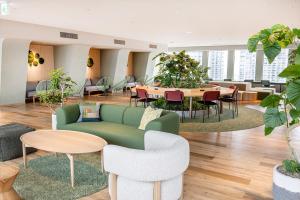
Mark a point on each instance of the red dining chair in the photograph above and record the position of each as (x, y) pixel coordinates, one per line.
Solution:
(232, 99)
(143, 97)
(175, 98)
(211, 98)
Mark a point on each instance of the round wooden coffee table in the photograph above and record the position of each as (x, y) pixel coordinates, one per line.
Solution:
(8, 175)
(63, 141)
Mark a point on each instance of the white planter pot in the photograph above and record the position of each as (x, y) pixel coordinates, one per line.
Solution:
(54, 122)
(294, 138)
(285, 187)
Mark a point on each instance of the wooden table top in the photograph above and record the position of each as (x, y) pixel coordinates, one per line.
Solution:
(188, 92)
(6, 172)
(63, 141)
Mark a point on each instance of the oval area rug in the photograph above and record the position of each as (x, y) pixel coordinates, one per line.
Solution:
(48, 178)
(247, 118)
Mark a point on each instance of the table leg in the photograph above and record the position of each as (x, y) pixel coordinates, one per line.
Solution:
(71, 158)
(24, 155)
(102, 163)
(191, 107)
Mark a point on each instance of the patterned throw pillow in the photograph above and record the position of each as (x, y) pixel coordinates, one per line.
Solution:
(149, 115)
(89, 112)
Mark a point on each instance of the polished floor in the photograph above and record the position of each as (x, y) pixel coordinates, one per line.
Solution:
(227, 165)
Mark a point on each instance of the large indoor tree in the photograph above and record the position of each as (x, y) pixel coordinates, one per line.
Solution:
(179, 70)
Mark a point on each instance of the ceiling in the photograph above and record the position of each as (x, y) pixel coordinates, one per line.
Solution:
(174, 22)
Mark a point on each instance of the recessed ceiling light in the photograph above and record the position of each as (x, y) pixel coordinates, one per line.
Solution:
(188, 32)
(4, 8)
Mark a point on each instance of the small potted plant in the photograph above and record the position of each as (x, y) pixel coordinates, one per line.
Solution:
(283, 108)
(61, 87)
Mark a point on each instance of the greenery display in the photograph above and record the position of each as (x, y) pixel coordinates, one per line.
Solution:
(60, 88)
(179, 70)
(162, 103)
(34, 59)
(281, 108)
(90, 62)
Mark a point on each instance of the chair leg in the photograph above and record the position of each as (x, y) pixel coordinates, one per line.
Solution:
(203, 115)
(237, 108)
(218, 108)
(208, 111)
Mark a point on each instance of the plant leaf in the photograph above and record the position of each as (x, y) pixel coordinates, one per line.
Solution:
(271, 101)
(271, 51)
(252, 43)
(268, 130)
(295, 114)
(274, 118)
(296, 31)
(293, 93)
(291, 71)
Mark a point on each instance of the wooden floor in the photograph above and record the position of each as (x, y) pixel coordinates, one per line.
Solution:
(229, 165)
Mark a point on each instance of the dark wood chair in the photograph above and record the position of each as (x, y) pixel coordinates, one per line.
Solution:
(175, 98)
(211, 99)
(133, 96)
(143, 97)
(232, 99)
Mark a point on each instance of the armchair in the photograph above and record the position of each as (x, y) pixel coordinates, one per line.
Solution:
(154, 173)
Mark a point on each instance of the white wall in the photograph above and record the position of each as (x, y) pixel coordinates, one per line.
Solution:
(73, 60)
(12, 29)
(13, 71)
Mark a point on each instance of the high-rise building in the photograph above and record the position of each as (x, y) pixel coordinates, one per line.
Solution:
(271, 71)
(244, 65)
(217, 63)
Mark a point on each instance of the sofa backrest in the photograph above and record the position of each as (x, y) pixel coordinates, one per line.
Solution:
(112, 113)
(133, 116)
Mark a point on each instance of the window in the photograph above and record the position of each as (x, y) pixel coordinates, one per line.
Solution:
(244, 65)
(197, 55)
(217, 63)
(271, 71)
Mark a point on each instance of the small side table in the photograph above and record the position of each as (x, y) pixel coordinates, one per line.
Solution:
(8, 175)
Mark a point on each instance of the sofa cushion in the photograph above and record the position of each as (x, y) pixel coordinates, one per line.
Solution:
(31, 86)
(112, 113)
(94, 81)
(149, 115)
(113, 133)
(133, 115)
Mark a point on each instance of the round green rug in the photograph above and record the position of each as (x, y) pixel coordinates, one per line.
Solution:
(48, 178)
(247, 118)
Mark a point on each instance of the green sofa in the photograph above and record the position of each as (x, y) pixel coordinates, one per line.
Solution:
(118, 124)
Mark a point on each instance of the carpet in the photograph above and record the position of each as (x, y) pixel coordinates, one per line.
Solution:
(247, 118)
(48, 178)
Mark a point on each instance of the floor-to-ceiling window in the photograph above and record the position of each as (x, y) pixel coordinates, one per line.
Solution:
(271, 71)
(244, 65)
(197, 55)
(217, 63)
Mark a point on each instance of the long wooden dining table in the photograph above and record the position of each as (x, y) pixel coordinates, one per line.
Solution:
(188, 92)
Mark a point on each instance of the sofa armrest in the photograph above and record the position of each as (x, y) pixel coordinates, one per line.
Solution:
(166, 123)
(67, 114)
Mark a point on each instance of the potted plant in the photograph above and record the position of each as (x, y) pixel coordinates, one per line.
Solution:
(61, 87)
(179, 70)
(283, 108)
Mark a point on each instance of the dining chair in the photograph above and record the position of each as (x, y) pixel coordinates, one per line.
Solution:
(133, 95)
(143, 97)
(232, 99)
(210, 98)
(175, 98)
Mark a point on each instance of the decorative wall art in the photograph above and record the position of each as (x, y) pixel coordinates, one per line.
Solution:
(90, 62)
(34, 59)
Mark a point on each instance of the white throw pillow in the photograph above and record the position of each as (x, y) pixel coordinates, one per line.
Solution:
(149, 115)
